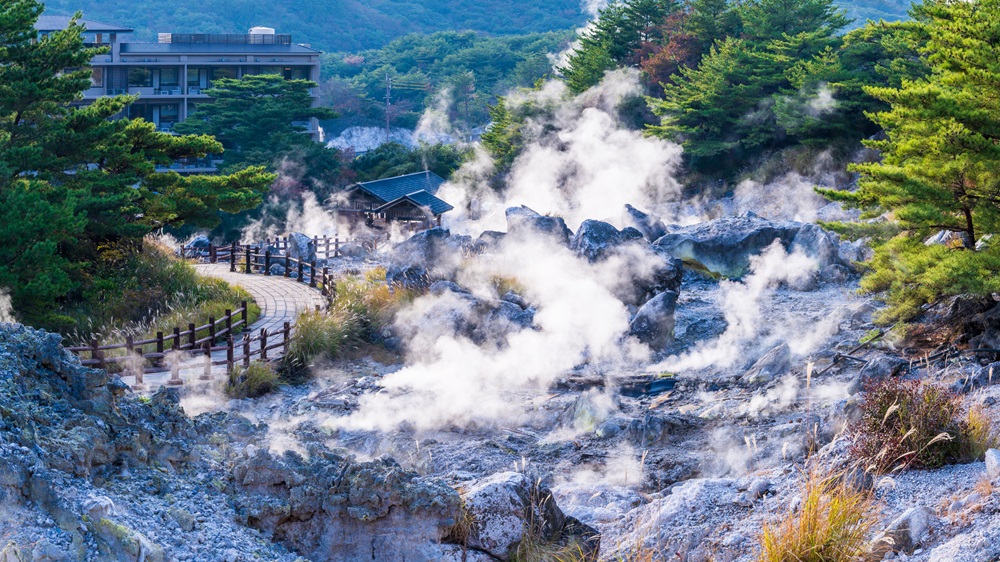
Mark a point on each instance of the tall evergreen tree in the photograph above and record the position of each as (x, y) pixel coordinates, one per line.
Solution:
(940, 167)
(71, 181)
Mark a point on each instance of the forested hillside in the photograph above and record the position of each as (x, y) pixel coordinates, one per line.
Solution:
(331, 25)
(471, 67)
(351, 25)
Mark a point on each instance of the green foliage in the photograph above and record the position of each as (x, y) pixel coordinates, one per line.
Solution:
(910, 424)
(470, 67)
(749, 93)
(939, 163)
(255, 381)
(255, 119)
(333, 25)
(93, 181)
(138, 293)
(393, 159)
(362, 306)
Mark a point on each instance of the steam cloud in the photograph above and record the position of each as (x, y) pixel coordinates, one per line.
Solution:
(6, 307)
(580, 163)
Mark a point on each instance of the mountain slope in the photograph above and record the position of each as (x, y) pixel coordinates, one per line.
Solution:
(330, 25)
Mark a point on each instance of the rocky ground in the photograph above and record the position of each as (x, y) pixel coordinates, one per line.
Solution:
(762, 377)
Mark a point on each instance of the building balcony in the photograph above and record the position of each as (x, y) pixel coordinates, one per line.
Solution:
(168, 91)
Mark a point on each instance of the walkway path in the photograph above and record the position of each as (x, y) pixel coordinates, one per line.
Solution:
(280, 299)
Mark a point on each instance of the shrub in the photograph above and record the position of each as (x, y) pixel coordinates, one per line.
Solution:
(256, 380)
(323, 334)
(909, 424)
(140, 293)
(361, 307)
(832, 524)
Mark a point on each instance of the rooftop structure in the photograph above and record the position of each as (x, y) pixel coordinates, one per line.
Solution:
(410, 198)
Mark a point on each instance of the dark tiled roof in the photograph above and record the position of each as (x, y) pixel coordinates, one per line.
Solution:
(56, 23)
(220, 48)
(420, 199)
(390, 189)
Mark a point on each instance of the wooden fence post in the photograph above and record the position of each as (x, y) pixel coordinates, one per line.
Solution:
(232, 258)
(230, 352)
(326, 246)
(267, 262)
(288, 331)
(191, 336)
(177, 338)
(263, 344)
(288, 264)
(312, 274)
(246, 351)
(206, 374)
(211, 253)
(247, 268)
(245, 315)
(301, 279)
(336, 246)
(159, 342)
(229, 321)
(95, 353)
(211, 330)
(326, 281)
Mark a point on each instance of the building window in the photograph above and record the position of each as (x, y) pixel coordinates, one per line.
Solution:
(271, 70)
(221, 72)
(194, 77)
(169, 114)
(140, 77)
(295, 72)
(140, 111)
(169, 77)
(97, 77)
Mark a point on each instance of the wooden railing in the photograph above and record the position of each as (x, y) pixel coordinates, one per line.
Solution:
(326, 247)
(167, 351)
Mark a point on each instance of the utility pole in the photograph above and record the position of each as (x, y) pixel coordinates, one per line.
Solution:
(388, 103)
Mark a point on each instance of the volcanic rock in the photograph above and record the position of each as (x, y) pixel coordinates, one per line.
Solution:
(522, 221)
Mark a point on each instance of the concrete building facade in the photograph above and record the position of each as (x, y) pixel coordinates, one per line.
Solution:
(171, 75)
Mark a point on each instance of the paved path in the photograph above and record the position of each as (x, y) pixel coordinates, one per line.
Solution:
(280, 300)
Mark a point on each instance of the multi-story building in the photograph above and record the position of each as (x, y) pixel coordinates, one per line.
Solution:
(171, 75)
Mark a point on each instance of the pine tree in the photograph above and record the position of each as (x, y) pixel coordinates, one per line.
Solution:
(940, 167)
(71, 180)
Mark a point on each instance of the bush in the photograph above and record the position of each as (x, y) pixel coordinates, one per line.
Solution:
(253, 382)
(361, 307)
(909, 424)
(832, 524)
(141, 292)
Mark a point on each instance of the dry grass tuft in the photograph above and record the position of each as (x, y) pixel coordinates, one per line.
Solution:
(363, 304)
(833, 524)
(909, 424)
(253, 382)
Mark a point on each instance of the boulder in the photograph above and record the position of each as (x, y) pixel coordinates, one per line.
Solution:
(595, 240)
(992, 464)
(407, 277)
(352, 250)
(277, 269)
(987, 327)
(196, 247)
(948, 238)
(724, 246)
(907, 531)
(651, 227)
(653, 324)
(522, 221)
(488, 241)
(434, 250)
(875, 370)
(456, 310)
(301, 247)
(503, 507)
(776, 363)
